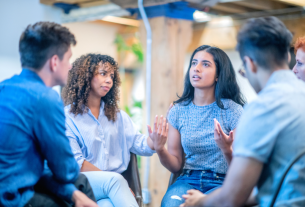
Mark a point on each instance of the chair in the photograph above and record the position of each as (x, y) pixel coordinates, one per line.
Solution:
(133, 178)
(294, 160)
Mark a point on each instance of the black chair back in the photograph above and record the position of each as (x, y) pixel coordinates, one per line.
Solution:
(133, 178)
(294, 160)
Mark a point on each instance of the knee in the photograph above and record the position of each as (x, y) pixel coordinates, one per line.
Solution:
(117, 178)
(173, 196)
(171, 199)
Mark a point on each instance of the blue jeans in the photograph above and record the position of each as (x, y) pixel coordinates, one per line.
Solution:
(203, 180)
(110, 189)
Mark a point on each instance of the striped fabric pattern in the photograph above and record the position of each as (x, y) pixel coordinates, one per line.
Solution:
(103, 143)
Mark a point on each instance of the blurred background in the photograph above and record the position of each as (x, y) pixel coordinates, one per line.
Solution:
(115, 28)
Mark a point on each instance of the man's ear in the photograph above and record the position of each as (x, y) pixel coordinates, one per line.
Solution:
(250, 65)
(289, 57)
(54, 63)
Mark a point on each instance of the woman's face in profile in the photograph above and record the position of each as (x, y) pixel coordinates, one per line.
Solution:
(203, 70)
(299, 68)
(102, 81)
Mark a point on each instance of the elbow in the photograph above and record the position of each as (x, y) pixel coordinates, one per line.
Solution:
(175, 170)
(231, 202)
(69, 177)
(68, 174)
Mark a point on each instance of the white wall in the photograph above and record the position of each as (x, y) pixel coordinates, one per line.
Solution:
(15, 15)
(93, 38)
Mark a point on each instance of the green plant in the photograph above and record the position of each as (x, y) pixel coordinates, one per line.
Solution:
(135, 48)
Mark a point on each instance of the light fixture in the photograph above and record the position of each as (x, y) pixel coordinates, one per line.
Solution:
(200, 16)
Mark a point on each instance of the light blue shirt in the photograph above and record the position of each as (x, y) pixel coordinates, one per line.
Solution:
(196, 127)
(271, 130)
(103, 143)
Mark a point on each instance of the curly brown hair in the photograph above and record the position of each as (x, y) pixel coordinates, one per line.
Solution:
(77, 90)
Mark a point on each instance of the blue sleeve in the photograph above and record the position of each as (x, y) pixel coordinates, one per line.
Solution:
(63, 191)
(258, 129)
(49, 130)
(173, 117)
(75, 146)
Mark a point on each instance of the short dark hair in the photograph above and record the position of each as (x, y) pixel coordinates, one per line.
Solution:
(40, 41)
(266, 40)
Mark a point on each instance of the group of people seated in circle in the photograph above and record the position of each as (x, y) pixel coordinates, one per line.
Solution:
(71, 150)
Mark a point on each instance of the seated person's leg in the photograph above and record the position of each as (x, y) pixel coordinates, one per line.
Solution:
(44, 193)
(83, 185)
(173, 196)
(111, 185)
(106, 202)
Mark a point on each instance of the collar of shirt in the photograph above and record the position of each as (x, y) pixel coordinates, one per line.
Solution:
(29, 73)
(280, 76)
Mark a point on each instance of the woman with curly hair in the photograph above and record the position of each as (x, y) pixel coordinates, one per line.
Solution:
(102, 136)
(299, 50)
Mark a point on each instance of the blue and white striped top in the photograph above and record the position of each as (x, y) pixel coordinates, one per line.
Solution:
(105, 144)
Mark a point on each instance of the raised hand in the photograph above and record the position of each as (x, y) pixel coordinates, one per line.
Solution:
(223, 141)
(159, 134)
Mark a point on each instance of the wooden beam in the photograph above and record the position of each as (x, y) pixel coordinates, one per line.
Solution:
(230, 8)
(293, 2)
(93, 3)
(170, 40)
(261, 4)
(81, 3)
(134, 3)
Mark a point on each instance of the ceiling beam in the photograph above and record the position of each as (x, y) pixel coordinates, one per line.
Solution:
(293, 2)
(80, 3)
(261, 4)
(134, 3)
(230, 8)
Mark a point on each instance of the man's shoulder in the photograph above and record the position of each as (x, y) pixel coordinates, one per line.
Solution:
(48, 96)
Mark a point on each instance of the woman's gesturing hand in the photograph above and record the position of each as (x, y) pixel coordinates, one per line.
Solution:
(223, 141)
(159, 134)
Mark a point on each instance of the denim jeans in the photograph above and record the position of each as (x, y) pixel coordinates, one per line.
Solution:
(203, 180)
(110, 189)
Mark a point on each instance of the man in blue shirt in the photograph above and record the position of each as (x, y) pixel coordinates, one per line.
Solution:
(32, 125)
(270, 132)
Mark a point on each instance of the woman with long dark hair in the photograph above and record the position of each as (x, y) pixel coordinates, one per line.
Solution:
(201, 125)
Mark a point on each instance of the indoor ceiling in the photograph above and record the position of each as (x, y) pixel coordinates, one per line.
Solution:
(238, 9)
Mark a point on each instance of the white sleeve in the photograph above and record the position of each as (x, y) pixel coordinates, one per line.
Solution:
(139, 141)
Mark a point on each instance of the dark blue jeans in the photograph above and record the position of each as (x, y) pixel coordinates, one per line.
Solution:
(203, 180)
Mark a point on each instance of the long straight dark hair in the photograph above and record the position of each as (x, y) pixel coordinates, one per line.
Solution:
(226, 86)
